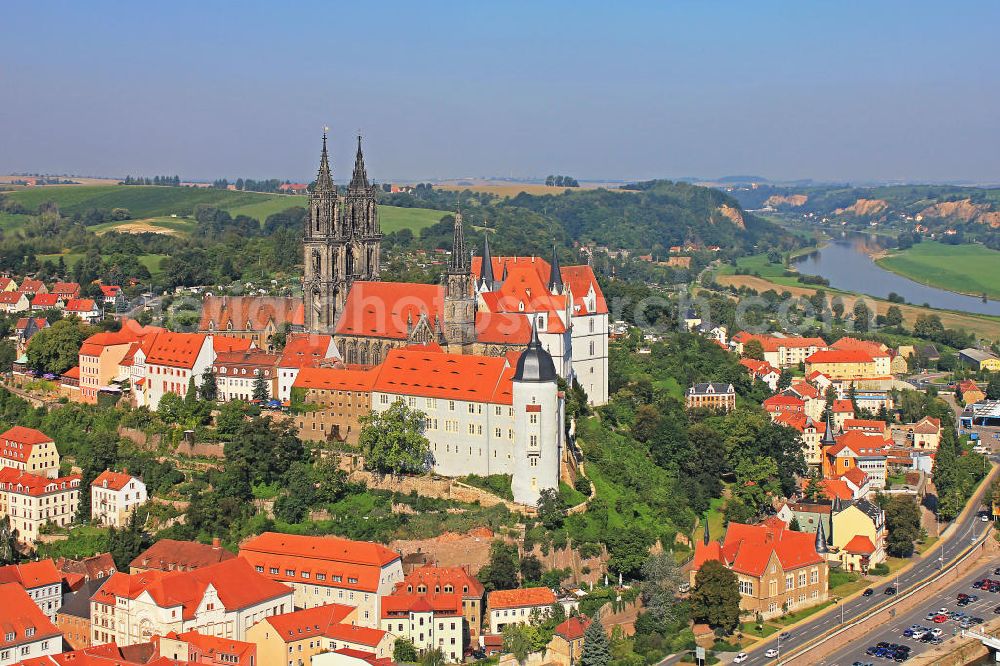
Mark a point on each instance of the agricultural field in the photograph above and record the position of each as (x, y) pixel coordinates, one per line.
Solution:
(156, 225)
(966, 269)
(155, 206)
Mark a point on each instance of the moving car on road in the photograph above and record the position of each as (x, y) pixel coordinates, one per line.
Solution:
(740, 658)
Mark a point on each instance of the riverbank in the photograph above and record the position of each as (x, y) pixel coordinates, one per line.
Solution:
(971, 270)
(982, 325)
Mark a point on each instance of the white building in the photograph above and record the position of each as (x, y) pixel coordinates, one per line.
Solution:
(31, 501)
(223, 600)
(302, 350)
(484, 415)
(25, 631)
(114, 496)
(41, 580)
(172, 361)
(327, 569)
(520, 606)
(427, 620)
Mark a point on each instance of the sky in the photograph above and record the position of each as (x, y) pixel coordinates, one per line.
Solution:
(845, 91)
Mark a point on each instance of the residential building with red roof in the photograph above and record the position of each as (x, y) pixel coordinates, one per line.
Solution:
(14, 301)
(327, 569)
(302, 350)
(858, 449)
(96, 566)
(781, 351)
(25, 631)
(41, 580)
(192, 647)
(255, 318)
(114, 496)
(850, 364)
(100, 359)
(567, 639)
(810, 434)
(174, 555)
(880, 354)
(31, 501)
(784, 404)
(842, 410)
(236, 373)
(112, 296)
(31, 286)
(29, 450)
(483, 415)
(518, 606)
(337, 398)
(870, 426)
(7, 284)
(173, 360)
(86, 309)
(67, 290)
(431, 620)
(223, 599)
(42, 302)
(25, 328)
(777, 569)
(925, 434)
(970, 392)
(447, 580)
(108, 654)
(762, 371)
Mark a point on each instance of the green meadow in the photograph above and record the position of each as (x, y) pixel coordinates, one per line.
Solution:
(967, 269)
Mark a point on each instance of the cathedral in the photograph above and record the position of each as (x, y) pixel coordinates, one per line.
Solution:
(342, 241)
(484, 305)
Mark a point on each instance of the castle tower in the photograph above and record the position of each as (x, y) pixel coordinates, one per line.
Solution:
(322, 282)
(341, 244)
(459, 299)
(538, 424)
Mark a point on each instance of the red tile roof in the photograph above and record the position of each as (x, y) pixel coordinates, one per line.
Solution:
(358, 564)
(22, 323)
(436, 579)
(215, 646)
(450, 376)
(842, 406)
(781, 402)
(860, 544)
(80, 305)
(772, 343)
(10, 297)
(252, 358)
(839, 356)
(927, 426)
(170, 554)
(856, 475)
(805, 389)
(384, 309)
(31, 574)
(23, 483)
(178, 350)
(296, 625)
(304, 350)
(218, 312)
(32, 286)
(873, 349)
(95, 344)
(20, 613)
(72, 373)
(235, 581)
(335, 379)
(528, 596)
(401, 604)
(46, 300)
(572, 629)
(756, 367)
(23, 435)
(114, 480)
(864, 424)
(229, 343)
(110, 290)
(66, 288)
(860, 443)
(502, 328)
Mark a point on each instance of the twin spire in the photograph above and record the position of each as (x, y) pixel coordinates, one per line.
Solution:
(459, 263)
(324, 179)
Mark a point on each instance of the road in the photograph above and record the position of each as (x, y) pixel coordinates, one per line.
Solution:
(892, 632)
(963, 534)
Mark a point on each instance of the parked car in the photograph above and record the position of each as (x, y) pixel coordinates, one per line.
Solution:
(740, 658)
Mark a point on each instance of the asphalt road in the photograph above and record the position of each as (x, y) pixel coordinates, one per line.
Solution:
(962, 536)
(892, 632)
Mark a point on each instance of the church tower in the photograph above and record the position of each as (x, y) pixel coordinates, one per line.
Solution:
(341, 243)
(323, 285)
(459, 299)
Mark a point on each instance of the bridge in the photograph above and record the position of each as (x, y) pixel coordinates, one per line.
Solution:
(991, 642)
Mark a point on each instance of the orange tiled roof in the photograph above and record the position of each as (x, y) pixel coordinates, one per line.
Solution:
(860, 443)
(748, 548)
(115, 480)
(10, 297)
(776, 402)
(177, 350)
(503, 328)
(805, 389)
(71, 288)
(841, 406)
(435, 579)
(384, 309)
(839, 356)
(218, 312)
(451, 376)
(31, 574)
(528, 596)
(772, 343)
(757, 367)
(864, 424)
(24, 435)
(20, 613)
(860, 544)
(32, 286)
(856, 475)
(45, 300)
(22, 323)
(873, 349)
(300, 624)
(335, 379)
(80, 305)
(252, 358)
(15, 481)
(927, 426)
(572, 629)
(168, 554)
(110, 290)
(304, 349)
(235, 581)
(401, 604)
(228, 343)
(72, 373)
(212, 646)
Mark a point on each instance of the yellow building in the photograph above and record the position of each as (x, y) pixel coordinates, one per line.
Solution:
(979, 359)
(29, 450)
(859, 534)
(842, 364)
(31, 501)
(294, 638)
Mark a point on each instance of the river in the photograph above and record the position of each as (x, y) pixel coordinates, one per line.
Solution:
(846, 262)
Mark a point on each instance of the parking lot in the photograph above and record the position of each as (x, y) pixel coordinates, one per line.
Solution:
(900, 632)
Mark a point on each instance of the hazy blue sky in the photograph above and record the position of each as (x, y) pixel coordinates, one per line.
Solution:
(800, 89)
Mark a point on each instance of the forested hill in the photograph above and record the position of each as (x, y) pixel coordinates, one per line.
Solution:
(647, 217)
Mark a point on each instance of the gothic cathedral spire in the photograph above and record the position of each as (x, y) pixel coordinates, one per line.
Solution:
(324, 179)
(459, 299)
(459, 263)
(555, 273)
(359, 180)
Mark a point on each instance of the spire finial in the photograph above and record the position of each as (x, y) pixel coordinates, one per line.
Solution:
(821, 547)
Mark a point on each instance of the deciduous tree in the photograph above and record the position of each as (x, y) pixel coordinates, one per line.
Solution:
(393, 441)
(715, 599)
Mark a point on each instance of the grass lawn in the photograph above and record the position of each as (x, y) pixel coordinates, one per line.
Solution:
(967, 269)
(844, 583)
(570, 495)
(393, 218)
(896, 563)
(750, 628)
(671, 386)
(83, 541)
(792, 618)
(928, 543)
(716, 529)
(167, 223)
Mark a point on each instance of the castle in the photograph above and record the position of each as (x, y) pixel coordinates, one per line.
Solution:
(486, 305)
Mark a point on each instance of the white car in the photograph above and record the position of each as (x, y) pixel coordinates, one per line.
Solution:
(984, 518)
(740, 658)
(771, 654)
